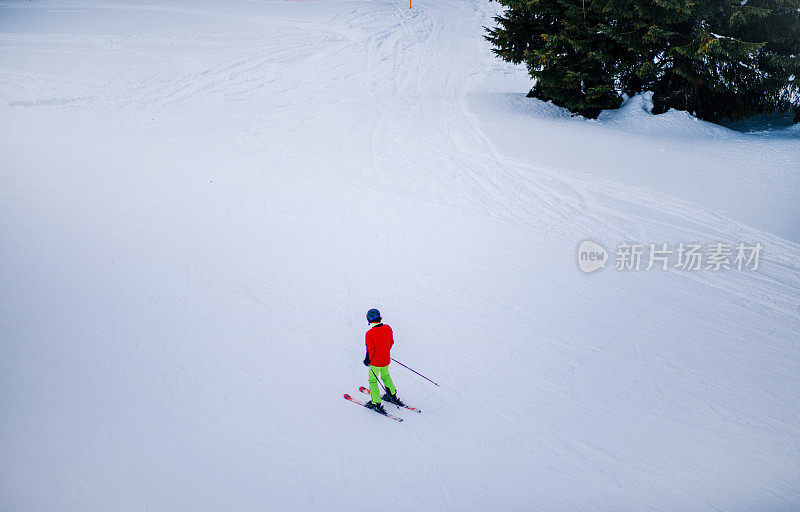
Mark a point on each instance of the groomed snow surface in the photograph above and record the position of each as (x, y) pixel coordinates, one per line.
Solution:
(200, 199)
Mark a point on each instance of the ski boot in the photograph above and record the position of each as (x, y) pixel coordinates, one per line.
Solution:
(376, 407)
(393, 398)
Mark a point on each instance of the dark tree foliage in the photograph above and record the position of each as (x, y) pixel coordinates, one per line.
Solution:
(572, 64)
(718, 59)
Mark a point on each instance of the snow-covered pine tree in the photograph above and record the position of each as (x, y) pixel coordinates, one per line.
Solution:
(572, 64)
(724, 62)
(775, 80)
(718, 59)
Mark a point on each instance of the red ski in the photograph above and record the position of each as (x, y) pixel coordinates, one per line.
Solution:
(395, 418)
(365, 390)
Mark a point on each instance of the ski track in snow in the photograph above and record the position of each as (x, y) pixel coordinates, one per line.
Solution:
(199, 201)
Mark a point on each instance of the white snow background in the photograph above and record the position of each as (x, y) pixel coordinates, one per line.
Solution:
(200, 199)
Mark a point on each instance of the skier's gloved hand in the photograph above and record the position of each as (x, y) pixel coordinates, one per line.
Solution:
(366, 359)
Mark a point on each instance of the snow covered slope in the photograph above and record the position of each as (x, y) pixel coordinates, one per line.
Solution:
(200, 199)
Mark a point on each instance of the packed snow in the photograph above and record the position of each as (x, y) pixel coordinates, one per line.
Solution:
(200, 200)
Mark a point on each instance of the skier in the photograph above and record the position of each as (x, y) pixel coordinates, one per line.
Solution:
(379, 341)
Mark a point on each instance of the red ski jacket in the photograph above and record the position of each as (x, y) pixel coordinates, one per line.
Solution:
(379, 341)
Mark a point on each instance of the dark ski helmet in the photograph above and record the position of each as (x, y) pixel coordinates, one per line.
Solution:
(373, 315)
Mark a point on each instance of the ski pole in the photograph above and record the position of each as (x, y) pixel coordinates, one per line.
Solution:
(404, 366)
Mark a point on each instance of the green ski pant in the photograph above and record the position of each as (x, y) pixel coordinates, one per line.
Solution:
(374, 392)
